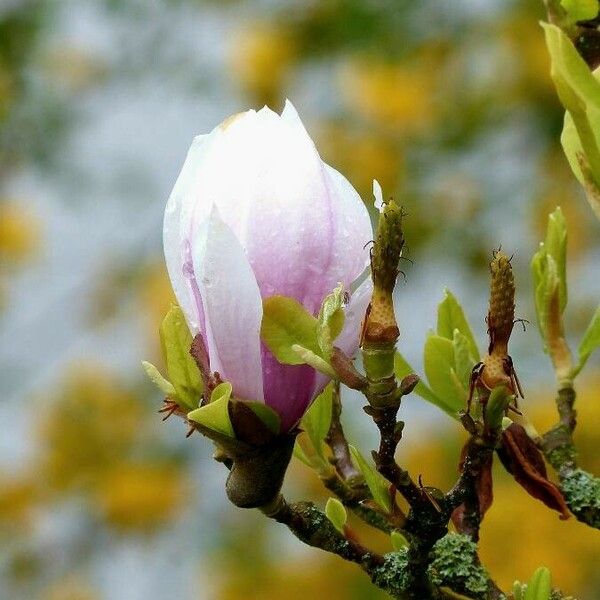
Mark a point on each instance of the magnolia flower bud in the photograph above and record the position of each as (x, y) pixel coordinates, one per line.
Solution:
(254, 213)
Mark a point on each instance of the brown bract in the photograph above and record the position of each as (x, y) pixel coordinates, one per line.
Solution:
(525, 462)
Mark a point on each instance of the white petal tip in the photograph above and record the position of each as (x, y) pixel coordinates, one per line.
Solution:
(378, 193)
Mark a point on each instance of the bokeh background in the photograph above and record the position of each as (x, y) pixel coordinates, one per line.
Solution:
(448, 104)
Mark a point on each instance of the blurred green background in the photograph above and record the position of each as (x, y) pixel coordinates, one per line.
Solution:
(448, 104)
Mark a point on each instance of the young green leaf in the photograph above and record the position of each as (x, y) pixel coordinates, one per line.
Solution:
(496, 406)
(546, 289)
(580, 10)
(331, 320)
(215, 414)
(317, 419)
(176, 341)
(301, 455)
(463, 360)
(591, 340)
(398, 541)
(336, 513)
(579, 93)
(157, 379)
(318, 363)
(438, 361)
(518, 590)
(450, 316)
(402, 369)
(377, 484)
(286, 324)
(539, 586)
(556, 246)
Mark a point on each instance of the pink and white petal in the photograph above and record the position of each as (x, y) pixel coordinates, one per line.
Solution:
(267, 180)
(175, 250)
(289, 389)
(349, 338)
(352, 231)
(232, 306)
(290, 115)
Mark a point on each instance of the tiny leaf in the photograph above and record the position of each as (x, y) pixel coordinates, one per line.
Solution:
(318, 363)
(331, 319)
(463, 361)
(336, 513)
(402, 369)
(317, 419)
(286, 324)
(398, 541)
(438, 361)
(301, 455)
(539, 586)
(451, 316)
(157, 379)
(556, 246)
(580, 10)
(183, 372)
(591, 339)
(376, 483)
(215, 414)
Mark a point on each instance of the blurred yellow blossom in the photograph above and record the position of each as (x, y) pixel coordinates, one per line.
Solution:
(399, 96)
(19, 231)
(155, 296)
(260, 58)
(142, 495)
(17, 502)
(362, 155)
(70, 588)
(87, 428)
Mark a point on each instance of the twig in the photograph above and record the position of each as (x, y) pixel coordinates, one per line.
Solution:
(390, 432)
(580, 489)
(312, 527)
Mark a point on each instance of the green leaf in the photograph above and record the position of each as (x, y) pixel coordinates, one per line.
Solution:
(377, 484)
(579, 93)
(546, 285)
(215, 414)
(402, 369)
(308, 357)
(539, 586)
(556, 246)
(450, 316)
(285, 324)
(398, 541)
(438, 361)
(463, 360)
(317, 419)
(580, 10)
(496, 406)
(331, 320)
(518, 590)
(336, 513)
(301, 455)
(591, 339)
(176, 341)
(157, 379)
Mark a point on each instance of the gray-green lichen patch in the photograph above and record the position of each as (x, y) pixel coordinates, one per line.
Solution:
(582, 493)
(455, 565)
(393, 575)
